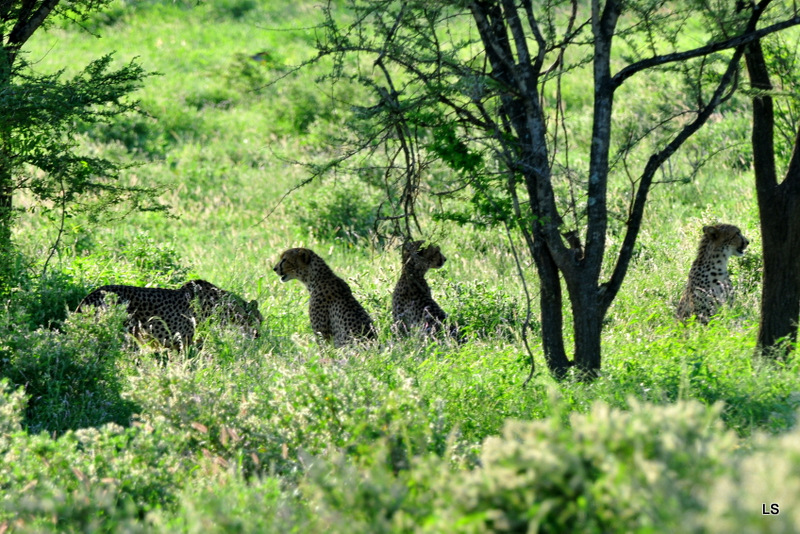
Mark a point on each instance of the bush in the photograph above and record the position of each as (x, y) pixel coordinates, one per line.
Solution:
(71, 378)
(769, 476)
(89, 480)
(608, 471)
(339, 212)
(484, 311)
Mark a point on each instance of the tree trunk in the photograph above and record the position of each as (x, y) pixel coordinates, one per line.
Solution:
(6, 220)
(779, 214)
(551, 303)
(780, 292)
(587, 320)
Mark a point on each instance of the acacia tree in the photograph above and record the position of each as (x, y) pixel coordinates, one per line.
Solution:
(479, 86)
(41, 117)
(778, 201)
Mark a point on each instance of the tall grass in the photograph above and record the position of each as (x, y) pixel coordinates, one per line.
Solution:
(279, 434)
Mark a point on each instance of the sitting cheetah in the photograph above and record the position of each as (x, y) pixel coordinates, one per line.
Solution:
(412, 303)
(334, 311)
(171, 315)
(709, 284)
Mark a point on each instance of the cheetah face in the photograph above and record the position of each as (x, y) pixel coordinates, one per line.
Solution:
(246, 315)
(727, 237)
(429, 257)
(433, 257)
(292, 261)
(740, 243)
(208, 298)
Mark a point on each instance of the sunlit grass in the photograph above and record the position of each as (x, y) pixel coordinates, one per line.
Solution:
(311, 433)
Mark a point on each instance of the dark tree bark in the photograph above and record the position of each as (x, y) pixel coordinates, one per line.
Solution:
(28, 16)
(779, 213)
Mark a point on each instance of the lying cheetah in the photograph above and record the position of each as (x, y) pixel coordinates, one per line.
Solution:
(170, 315)
(334, 311)
(709, 284)
(412, 303)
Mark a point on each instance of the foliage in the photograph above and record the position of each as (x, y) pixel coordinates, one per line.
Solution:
(40, 124)
(484, 311)
(91, 479)
(684, 426)
(339, 212)
(783, 55)
(71, 377)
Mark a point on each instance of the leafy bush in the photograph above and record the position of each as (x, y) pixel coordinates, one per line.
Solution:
(607, 471)
(769, 476)
(12, 406)
(154, 258)
(248, 504)
(486, 311)
(44, 301)
(88, 480)
(71, 378)
(262, 423)
(338, 211)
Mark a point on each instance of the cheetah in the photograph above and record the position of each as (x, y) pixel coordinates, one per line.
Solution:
(169, 316)
(334, 312)
(412, 303)
(709, 284)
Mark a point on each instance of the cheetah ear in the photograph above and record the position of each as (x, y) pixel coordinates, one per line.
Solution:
(412, 246)
(305, 256)
(710, 231)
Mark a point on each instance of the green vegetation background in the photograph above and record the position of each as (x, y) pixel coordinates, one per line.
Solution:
(684, 431)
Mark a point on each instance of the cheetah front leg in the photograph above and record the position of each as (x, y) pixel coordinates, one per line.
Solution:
(320, 319)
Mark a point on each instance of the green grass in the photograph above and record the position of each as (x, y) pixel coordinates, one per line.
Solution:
(683, 431)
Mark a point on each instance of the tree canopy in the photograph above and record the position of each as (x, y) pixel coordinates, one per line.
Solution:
(42, 117)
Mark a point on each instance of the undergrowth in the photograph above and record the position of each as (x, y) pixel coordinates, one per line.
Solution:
(686, 429)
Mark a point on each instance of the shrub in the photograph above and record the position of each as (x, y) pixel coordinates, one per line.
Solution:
(89, 480)
(769, 476)
(338, 212)
(607, 471)
(44, 301)
(484, 311)
(71, 377)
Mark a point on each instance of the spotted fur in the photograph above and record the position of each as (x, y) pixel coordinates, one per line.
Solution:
(412, 302)
(709, 285)
(170, 315)
(334, 312)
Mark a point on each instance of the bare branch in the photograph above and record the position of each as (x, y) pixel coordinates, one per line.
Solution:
(727, 44)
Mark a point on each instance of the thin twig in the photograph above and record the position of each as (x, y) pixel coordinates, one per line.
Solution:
(527, 323)
(55, 246)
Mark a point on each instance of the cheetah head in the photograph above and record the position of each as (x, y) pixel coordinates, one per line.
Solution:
(429, 257)
(727, 237)
(292, 263)
(245, 314)
(233, 309)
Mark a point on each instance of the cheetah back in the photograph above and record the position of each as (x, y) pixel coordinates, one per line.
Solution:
(170, 315)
